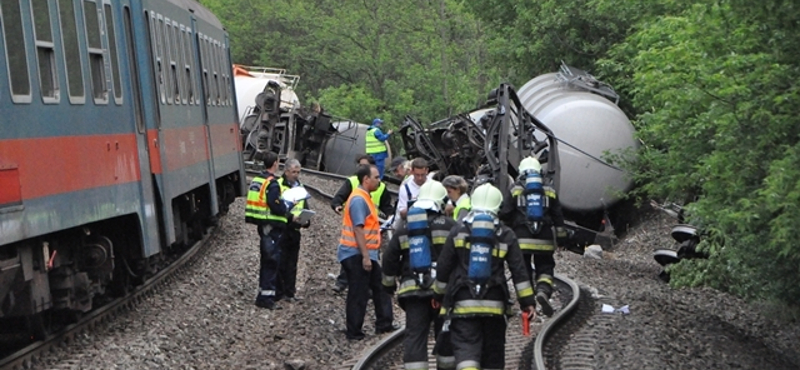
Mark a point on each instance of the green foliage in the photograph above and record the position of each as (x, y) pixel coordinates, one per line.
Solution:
(711, 84)
(422, 58)
(717, 114)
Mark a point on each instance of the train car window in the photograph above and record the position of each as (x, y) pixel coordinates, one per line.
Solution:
(155, 42)
(174, 53)
(223, 75)
(112, 50)
(164, 36)
(188, 57)
(17, 58)
(45, 51)
(204, 65)
(227, 68)
(215, 61)
(136, 90)
(72, 54)
(97, 66)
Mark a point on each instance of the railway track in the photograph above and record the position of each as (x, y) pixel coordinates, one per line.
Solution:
(549, 349)
(544, 351)
(26, 357)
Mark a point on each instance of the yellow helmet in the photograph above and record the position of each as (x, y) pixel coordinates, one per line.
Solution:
(431, 196)
(487, 198)
(529, 164)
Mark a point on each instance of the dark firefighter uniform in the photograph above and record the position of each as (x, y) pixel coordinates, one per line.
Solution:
(416, 298)
(538, 244)
(290, 247)
(478, 320)
(266, 210)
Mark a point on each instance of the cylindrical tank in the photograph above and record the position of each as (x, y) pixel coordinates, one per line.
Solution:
(591, 123)
(343, 148)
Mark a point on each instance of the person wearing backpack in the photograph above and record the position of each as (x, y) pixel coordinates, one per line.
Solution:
(471, 283)
(535, 213)
(411, 259)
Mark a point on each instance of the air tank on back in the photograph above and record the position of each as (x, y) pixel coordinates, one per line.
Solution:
(342, 149)
(581, 113)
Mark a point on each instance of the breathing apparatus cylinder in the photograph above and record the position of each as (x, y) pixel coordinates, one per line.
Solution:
(534, 197)
(419, 244)
(481, 241)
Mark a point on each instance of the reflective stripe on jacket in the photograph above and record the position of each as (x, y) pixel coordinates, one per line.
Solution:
(374, 145)
(375, 195)
(372, 226)
(396, 258)
(452, 280)
(257, 209)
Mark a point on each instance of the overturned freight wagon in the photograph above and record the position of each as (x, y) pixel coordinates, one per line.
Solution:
(272, 118)
(585, 122)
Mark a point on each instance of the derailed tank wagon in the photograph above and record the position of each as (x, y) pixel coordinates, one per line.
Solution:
(581, 116)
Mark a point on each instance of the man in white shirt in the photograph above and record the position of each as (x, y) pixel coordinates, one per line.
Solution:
(409, 190)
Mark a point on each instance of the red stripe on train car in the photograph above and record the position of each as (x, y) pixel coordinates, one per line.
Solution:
(55, 165)
(224, 139)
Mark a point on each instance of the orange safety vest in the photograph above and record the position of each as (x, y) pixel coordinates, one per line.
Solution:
(372, 226)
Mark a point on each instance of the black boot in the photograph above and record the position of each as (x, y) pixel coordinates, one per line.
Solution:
(543, 292)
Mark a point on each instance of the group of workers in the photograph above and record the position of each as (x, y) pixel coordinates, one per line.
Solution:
(445, 261)
(278, 229)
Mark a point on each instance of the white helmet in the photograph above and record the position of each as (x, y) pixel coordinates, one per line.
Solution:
(529, 164)
(431, 196)
(487, 198)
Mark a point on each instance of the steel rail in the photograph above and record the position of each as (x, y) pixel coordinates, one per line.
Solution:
(552, 325)
(24, 357)
(375, 354)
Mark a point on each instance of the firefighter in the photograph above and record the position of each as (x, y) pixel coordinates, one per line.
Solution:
(471, 283)
(411, 259)
(535, 213)
(270, 214)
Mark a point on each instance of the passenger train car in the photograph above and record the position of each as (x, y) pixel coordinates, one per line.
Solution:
(119, 144)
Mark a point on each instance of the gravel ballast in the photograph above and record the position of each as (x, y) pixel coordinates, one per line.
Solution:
(206, 319)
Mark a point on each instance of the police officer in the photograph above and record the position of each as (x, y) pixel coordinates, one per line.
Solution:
(266, 209)
(380, 197)
(536, 237)
(407, 259)
(470, 278)
(375, 142)
(290, 240)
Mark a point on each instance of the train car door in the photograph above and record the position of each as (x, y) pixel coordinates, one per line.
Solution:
(206, 123)
(149, 213)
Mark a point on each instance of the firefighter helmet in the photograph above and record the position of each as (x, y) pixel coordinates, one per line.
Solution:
(487, 198)
(431, 196)
(529, 164)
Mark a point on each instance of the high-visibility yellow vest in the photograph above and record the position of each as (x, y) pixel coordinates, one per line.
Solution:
(299, 206)
(375, 195)
(372, 226)
(257, 211)
(463, 203)
(374, 145)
